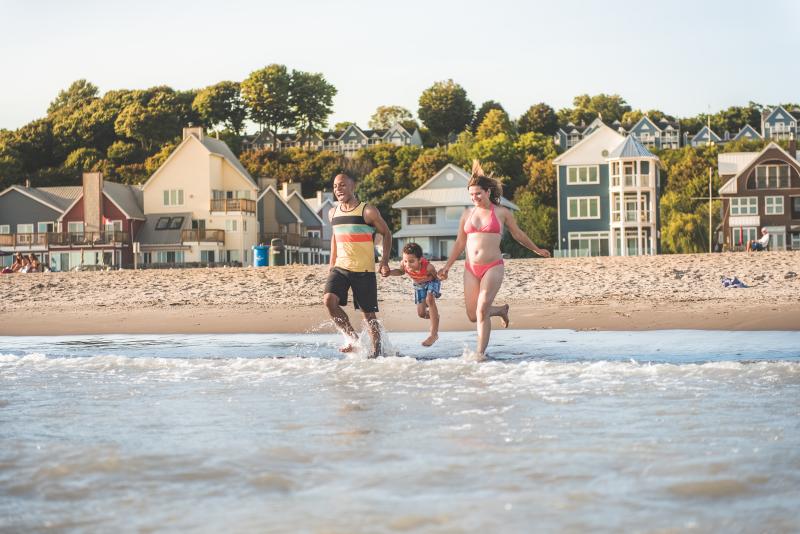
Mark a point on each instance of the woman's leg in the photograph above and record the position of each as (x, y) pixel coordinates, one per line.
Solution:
(489, 286)
(472, 287)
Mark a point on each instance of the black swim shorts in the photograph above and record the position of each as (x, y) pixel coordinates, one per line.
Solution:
(365, 288)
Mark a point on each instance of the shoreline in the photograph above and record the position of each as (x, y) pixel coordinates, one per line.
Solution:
(402, 318)
(601, 293)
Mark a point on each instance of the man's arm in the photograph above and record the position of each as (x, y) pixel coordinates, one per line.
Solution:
(333, 240)
(373, 217)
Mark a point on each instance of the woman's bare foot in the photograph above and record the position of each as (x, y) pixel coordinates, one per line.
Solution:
(430, 340)
(504, 316)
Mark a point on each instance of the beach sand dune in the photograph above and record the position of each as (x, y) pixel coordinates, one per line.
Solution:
(621, 293)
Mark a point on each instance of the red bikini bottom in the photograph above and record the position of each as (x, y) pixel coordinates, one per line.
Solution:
(479, 269)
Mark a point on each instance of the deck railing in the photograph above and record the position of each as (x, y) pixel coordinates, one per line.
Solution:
(87, 239)
(196, 235)
(233, 204)
(294, 240)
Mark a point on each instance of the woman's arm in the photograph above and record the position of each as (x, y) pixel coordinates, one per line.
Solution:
(458, 247)
(520, 236)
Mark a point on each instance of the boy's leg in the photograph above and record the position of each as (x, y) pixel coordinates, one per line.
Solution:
(433, 312)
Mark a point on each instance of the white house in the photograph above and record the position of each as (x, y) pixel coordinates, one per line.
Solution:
(430, 213)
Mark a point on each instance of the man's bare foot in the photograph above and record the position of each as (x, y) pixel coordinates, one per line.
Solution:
(347, 348)
(504, 316)
(430, 340)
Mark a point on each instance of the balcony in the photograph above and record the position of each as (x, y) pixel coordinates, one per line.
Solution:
(196, 235)
(631, 217)
(87, 239)
(23, 240)
(630, 180)
(293, 240)
(227, 205)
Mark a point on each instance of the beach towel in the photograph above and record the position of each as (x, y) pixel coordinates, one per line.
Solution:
(733, 282)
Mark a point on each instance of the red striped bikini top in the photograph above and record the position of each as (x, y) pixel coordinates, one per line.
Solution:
(493, 227)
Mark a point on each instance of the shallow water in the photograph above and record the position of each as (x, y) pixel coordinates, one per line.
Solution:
(560, 431)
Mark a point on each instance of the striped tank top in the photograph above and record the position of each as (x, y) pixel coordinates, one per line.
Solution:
(355, 249)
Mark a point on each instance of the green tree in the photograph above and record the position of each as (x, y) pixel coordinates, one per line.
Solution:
(83, 159)
(429, 162)
(312, 101)
(342, 126)
(485, 108)
(539, 118)
(122, 152)
(152, 120)
(541, 176)
(77, 93)
(495, 122)
(445, 109)
(385, 116)
(535, 144)
(537, 220)
(587, 108)
(222, 103)
(267, 93)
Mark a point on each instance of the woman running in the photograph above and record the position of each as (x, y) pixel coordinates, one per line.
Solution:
(480, 232)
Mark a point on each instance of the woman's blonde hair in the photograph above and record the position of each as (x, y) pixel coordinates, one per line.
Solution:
(487, 183)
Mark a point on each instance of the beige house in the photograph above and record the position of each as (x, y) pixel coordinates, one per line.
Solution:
(200, 206)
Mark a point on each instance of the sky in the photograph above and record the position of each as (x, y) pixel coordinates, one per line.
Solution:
(682, 57)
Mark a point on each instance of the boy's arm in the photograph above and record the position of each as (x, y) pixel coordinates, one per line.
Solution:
(396, 272)
(432, 271)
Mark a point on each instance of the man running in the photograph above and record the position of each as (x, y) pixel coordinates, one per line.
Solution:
(353, 261)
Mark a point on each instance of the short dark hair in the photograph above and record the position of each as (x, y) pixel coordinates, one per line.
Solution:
(344, 175)
(413, 248)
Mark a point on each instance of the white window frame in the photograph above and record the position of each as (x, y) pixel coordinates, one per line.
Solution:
(25, 228)
(586, 202)
(575, 178)
(778, 167)
(419, 217)
(231, 225)
(5, 228)
(773, 205)
(744, 206)
(749, 233)
(589, 236)
(173, 197)
(75, 227)
(795, 240)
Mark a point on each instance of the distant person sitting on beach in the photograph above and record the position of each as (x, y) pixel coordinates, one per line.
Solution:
(35, 265)
(352, 263)
(427, 287)
(18, 263)
(479, 232)
(759, 244)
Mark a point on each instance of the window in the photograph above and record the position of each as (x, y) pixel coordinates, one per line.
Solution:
(169, 256)
(741, 236)
(207, 256)
(162, 223)
(453, 213)
(231, 255)
(583, 208)
(112, 226)
(173, 197)
(796, 241)
(588, 243)
(772, 176)
(773, 205)
(75, 227)
(583, 175)
(244, 228)
(44, 227)
(744, 206)
(175, 223)
(5, 228)
(230, 225)
(421, 216)
(25, 228)
(795, 207)
(313, 233)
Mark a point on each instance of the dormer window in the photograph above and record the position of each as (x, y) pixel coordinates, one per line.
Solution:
(772, 177)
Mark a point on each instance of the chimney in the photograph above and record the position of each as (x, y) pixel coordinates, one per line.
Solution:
(196, 131)
(319, 198)
(92, 201)
(264, 182)
(290, 187)
(27, 182)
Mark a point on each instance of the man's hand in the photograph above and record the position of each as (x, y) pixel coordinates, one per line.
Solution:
(384, 269)
(543, 252)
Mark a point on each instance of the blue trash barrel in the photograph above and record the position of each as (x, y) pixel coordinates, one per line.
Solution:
(260, 255)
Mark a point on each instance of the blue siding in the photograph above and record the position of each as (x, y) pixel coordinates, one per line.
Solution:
(583, 190)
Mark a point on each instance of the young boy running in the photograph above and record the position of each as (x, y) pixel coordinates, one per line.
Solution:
(427, 287)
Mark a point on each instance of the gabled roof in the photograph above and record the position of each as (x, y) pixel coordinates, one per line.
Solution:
(645, 119)
(631, 148)
(65, 194)
(397, 127)
(705, 134)
(51, 201)
(213, 146)
(307, 205)
(747, 129)
(358, 130)
(730, 187)
(773, 111)
(281, 200)
(127, 198)
(457, 195)
(590, 149)
(730, 163)
(595, 124)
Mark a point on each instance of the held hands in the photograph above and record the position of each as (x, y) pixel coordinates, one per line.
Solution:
(383, 268)
(442, 274)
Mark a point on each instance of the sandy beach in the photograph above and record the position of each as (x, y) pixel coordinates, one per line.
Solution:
(604, 293)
